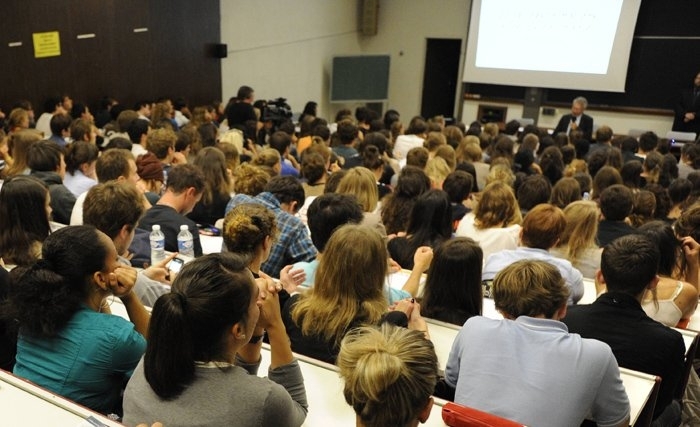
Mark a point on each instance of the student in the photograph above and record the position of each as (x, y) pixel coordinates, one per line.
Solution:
(517, 366)
(203, 359)
(115, 208)
(615, 204)
(458, 186)
(628, 269)
(183, 191)
(452, 290)
(81, 157)
(68, 342)
(542, 229)
(389, 375)
(284, 196)
(47, 163)
(25, 211)
(218, 185)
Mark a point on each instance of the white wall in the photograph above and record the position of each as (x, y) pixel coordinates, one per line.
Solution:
(284, 48)
(621, 123)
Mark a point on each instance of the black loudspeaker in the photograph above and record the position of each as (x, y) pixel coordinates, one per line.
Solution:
(220, 50)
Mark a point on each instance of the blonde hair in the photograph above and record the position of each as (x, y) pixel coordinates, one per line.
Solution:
(361, 183)
(529, 288)
(469, 150)
(500, 172)
(246, 226)
(250, 180)
(497, 207)
(581, 229)
(576, 166)
(347, 292)
(434, 140)
(389, 374)
(267, 159)
(19, 144)
(447, 153)
(437, 170)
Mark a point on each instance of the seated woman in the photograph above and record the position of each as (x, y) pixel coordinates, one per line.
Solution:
(345, 294)
(396, 207)
(80, 175)
(361, 183)
(150, 170)
(452, 290)
(577, 243)
(495, 222)
(389, 374)
(218, 185)
(250, 229)
(24, 220)
(430, 224)
(200, 366)
(675, 298)
(68, 342)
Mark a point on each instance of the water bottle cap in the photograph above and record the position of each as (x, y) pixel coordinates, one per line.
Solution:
(155, 227)
(184, 227)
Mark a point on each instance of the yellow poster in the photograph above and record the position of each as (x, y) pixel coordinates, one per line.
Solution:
(46, 44)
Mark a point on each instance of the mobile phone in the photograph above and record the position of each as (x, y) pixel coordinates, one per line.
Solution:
(175, 265)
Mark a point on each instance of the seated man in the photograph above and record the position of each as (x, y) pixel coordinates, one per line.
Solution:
(527, 367)
(115, 208)
(541, 231)
(628, 269)
(577, 120)
(616, 203)
(284, 195)
(46, 160)
(183, 191)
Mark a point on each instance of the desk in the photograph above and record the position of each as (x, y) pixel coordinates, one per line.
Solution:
(25, 404)
(324, 391)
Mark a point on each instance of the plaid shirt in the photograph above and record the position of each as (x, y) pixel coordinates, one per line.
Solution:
(293, 244)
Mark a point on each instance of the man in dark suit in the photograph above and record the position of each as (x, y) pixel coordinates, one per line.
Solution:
(687, 110)
(576, 120)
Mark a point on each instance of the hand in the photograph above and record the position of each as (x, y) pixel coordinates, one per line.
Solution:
(405, 305)
(159, 271)
(290, 279)
(268, 301)
(334, 167)
(689, 117)
(691, 249)
(394, 266)
(416, 322)
(122, 280)
(422, 258)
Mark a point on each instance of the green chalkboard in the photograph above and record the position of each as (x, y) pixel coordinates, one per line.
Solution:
(360, 78)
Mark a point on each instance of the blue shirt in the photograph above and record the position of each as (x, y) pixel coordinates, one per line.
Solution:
(87, 362)
(533, 371)
(501, 259)
(293, 243)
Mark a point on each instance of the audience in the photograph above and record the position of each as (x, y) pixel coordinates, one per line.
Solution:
(207, 337)
(24, 220)
(581, 375)
(284, 196)
(183, 190)
(628, 269)
(389, 375)
(396, 207)
(542, 229)
(47, 163)
(615, 206)
(495, 222)
(452, 290)
(218, 186)
(66, 343)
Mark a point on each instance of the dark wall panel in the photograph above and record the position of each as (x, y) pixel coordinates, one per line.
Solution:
(170, 59)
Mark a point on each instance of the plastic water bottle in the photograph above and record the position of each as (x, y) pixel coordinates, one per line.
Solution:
(157, 245)
(185, 245)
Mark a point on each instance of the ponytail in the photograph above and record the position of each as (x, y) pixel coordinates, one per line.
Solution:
(169, 359)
